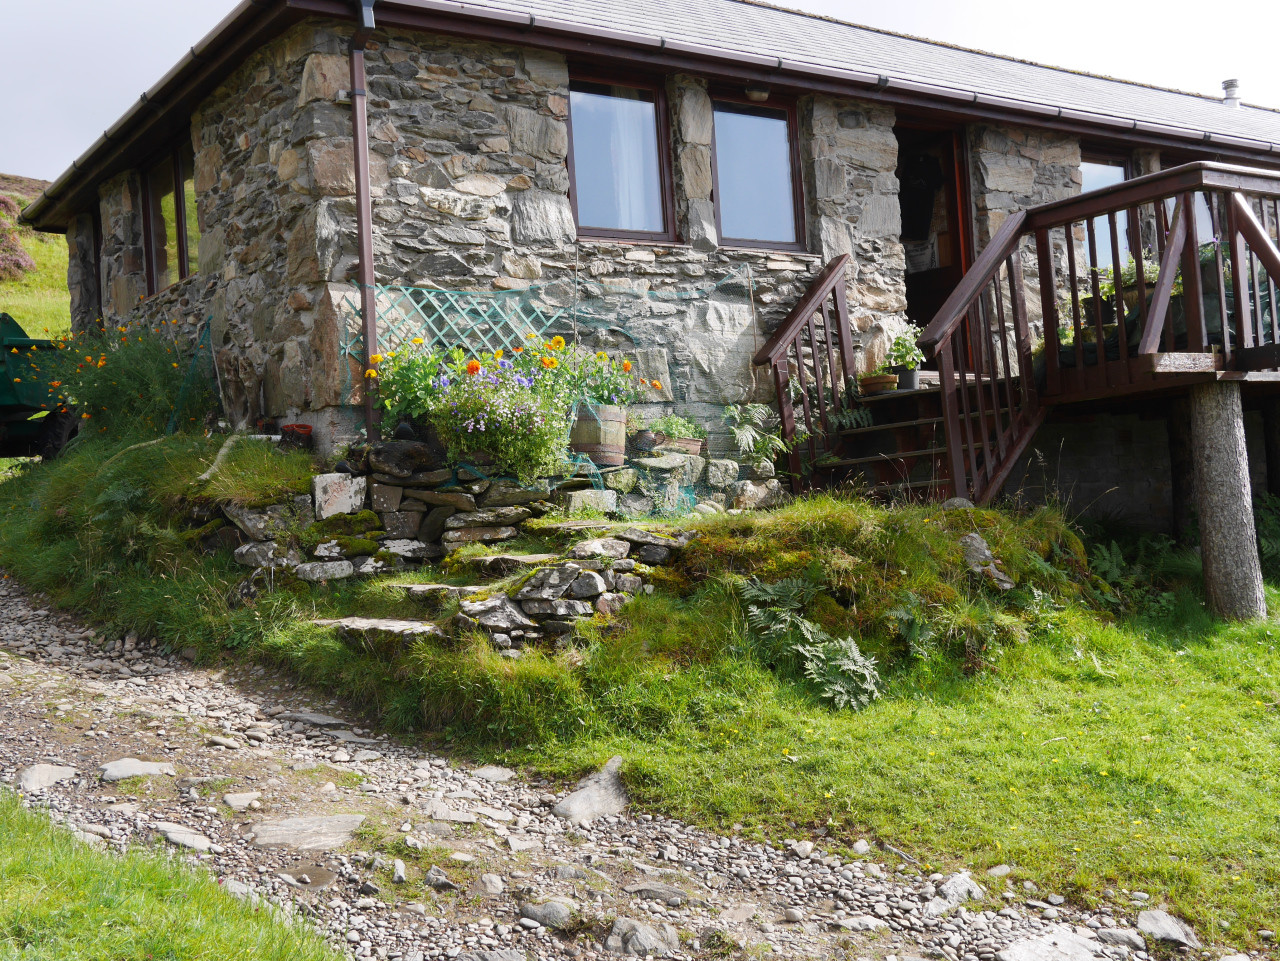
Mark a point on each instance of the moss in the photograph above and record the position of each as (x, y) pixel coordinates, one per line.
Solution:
(361, 525)
(356, 546)
(198, 534)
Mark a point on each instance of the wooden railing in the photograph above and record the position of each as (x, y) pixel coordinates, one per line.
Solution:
(810, 357)
(1116, 291)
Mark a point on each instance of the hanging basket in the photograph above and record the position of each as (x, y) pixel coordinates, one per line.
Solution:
(601, 433)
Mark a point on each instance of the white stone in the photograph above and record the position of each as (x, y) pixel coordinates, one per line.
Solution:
(597, 795)
(338, 494)
(131, 767)
(308, 833)
(38, 777)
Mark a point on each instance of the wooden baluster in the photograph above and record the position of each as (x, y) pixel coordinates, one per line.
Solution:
(1122, 325)
(829, 335)
(819, 385)
(787, 417)
(803, 381)
(959, 342)
(1075, 301)
(1192, 294)
(951, 421)
(845, 338)
(1022, 335)
(992, 366)
(975, 349)
(1004, 341)
(1271, 227)
(1244, 329)
(1169, 332)
(1049, 314)
(1140, 271)
(1221, 230)
(1099, 336)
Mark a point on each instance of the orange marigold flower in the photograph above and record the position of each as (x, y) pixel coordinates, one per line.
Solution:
(550, 363)
(626, 366)
(55, 383)
(473, 367)
(518, 350)
(371, 373)
(656, 384)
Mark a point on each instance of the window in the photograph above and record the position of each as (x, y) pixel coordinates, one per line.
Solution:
(171, 228)
(758, 198)
(619, 162)
(1095, 174)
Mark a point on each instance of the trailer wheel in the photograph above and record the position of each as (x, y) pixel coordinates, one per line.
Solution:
(58, 431)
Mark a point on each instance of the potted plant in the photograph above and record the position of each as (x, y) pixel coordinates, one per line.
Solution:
(905, 358)
(603, 387)
(879, 381)
(679, 432)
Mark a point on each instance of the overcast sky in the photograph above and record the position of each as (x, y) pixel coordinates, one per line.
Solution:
(59, 96)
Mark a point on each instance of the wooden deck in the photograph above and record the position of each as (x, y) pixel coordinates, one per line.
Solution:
(1140, 290)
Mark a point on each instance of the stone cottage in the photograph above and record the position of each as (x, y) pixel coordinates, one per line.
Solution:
(307, 152)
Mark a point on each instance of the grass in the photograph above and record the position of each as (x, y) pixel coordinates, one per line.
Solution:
(39, 301)
(1088, 749)
(67, 901)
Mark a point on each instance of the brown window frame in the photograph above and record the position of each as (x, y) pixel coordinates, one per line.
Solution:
(666, 179)
(185, 270)
(774, 104)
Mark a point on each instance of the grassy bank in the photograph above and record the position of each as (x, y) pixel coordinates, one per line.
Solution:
(64, 900)
(39, 300)
(1089, 743)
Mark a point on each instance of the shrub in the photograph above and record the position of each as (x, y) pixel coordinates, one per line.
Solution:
(14, 259)
(674, 426)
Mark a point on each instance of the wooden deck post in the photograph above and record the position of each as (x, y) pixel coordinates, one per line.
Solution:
(1228, 544)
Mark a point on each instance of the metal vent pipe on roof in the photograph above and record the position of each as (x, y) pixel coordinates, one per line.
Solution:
(1231, 93)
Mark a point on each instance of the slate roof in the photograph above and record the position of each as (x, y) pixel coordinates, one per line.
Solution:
(759, 30)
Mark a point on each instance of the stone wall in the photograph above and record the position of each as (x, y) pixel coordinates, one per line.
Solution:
(83, 280)
(1113, 467)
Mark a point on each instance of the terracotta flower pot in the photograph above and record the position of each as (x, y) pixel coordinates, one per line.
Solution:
(878, 383)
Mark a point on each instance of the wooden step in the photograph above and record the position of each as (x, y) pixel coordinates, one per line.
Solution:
(882, 458)
(922, 422)
(907, 486)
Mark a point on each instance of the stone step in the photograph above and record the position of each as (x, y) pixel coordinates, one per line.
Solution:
(439, 593)
(504, 565)
(380, 629)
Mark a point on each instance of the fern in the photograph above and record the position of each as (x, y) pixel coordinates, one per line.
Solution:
(844, 675)
(1107, 562)
(907, 618)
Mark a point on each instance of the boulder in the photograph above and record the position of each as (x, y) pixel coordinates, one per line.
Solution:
(401, 525)
(477, 535)
(240, 802)
(610, 547)
(412, 550)
(39, 777)
(490, 517)
(1060, 943)
(380, 628)
(597, 795)
(404, 458)
(605, 501)
(752, 495)
(433, 523)
(653, 555)
(454, 497)
(634, 535)
(258, 524)
(318, 571)
(548, 583)
(721, 473)
(338, 494)
(266, 554)
(982, 563)
(182, 836)
(657, 891)
(504, 492)
(431, 478)
(587, 584)
(385, 498)
(497, 613)
(623, 480)
(1127, 937)
(952, 893)
(1162, 926)
(562, 608)
(609, 604)
(640, 940)
(131, 767)
(308, 833)
(556, 914)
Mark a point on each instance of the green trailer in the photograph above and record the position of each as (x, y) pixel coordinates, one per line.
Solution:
(30, 424)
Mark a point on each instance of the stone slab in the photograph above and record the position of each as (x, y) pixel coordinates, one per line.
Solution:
(322, 833)
(39, 777)
(131, 767)
(338, 494)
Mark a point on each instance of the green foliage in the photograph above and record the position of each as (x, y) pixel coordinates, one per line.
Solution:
(675, 426)
(1266, 515)
(38, 298)
(64, 900)
(904, 352)
(758, 433)
(130, 380)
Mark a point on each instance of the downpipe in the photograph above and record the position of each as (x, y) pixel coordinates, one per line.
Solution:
(365, 276)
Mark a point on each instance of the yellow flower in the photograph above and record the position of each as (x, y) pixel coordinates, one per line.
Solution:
(375, 359)
(601, 356)
(497, 354)
(557, 343)
(371, 372)
(175, 365)
(416, 340)
(550, 363)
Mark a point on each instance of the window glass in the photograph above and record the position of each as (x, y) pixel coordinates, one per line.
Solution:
(191, 218)
(164, 225)
(617, 180)
(1095, 176)
(754, 186)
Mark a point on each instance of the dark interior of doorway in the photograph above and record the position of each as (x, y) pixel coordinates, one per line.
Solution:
(935, 223)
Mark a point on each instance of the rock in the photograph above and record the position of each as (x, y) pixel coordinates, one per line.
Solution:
(458, 499)
(402, 525)
(317, 571)
(1162, 926)
(230, 743)
(312, 720)
(609, 604)
(652, 555)
(477, 535)
(131, 767)
(597, 795)
(587, 584)
(497, 613)
(240, 802)
(437, 880)
(338, 494)
(385, 498)
(489, 886)
(794, 915)
(980, 561)
(493, 774)
(433, 522)
(642, 940)
(1128, 937)
(506, 954)
(623, 480)
(556, 914)
(609, 547)
(266, 554)
(1058, 944)
(259, 524)
(861, 846)
(431, 478)
(563, 608)
(504, 565)
(605, 501)
(999, 871)
(398, 872)
(518, 845)
(662, 462)
(957, 503)
(322, 833)
(504, 492)
(412, 550)
(637, 505)
(404, 458)
(752, 495)
(633, 535)
(655, 891)
(373, 628)
(952, 893)
(493, 517)
(182, 836)
(437, 810)
(38, 777)
(548, 583)
(721, 473)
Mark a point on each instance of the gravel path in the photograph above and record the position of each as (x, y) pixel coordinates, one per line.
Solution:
(395, 853)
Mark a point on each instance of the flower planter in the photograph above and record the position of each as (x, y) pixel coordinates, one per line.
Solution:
(878, 383)
(644, 440)
(601, 433)
(296, 435)
(690, 445)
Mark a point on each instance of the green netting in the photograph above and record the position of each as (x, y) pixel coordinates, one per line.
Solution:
(202, 375)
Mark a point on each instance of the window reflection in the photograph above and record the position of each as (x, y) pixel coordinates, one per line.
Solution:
(754, 179)
(617, 180)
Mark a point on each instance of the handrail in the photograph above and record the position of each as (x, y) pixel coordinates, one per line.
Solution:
(795, 321)
(973, 282)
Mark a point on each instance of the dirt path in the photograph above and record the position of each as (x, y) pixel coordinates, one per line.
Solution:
(395, 853)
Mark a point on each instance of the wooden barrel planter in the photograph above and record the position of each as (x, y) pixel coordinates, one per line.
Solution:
(601, 434)
(877, 383)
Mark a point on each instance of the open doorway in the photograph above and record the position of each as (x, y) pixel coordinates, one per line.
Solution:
(933, 194)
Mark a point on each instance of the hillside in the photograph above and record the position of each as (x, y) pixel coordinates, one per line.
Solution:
(39, 300)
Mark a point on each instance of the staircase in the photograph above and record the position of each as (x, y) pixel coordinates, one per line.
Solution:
(1202, 244)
